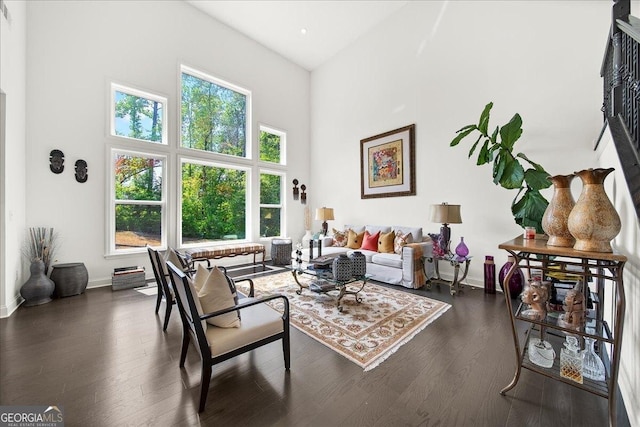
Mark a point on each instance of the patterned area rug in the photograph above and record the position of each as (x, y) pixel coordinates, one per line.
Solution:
(366, 333)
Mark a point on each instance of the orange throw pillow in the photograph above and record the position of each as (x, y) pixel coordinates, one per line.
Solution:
(385, 242)
(354, 240)
(370, 242)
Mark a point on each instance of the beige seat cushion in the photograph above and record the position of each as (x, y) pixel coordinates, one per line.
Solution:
(258, 321)
(215, 295)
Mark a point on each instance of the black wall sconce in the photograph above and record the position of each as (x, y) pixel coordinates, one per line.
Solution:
(296, 192)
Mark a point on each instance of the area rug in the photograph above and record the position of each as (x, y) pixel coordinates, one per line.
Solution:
(366, 333)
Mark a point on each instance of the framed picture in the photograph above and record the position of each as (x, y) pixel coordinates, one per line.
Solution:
(387, 164)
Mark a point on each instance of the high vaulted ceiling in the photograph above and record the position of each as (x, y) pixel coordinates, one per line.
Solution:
(330, 25)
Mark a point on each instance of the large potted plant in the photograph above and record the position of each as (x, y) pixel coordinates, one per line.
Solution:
(513, 171)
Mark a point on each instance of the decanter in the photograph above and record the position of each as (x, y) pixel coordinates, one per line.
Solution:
(462, 250)
(592, 365)
(571, 360)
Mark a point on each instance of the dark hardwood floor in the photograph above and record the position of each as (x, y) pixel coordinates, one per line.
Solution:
(103, 357)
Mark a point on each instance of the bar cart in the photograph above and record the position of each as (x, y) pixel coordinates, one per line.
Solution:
(605, 271)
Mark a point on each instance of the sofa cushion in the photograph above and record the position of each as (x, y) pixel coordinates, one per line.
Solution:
(356, 228)
(373, 229)
(355, 239)
(389, 260)
(386, 241)
(340, 238)
(370, 241)
(416, 232)
(400, 240)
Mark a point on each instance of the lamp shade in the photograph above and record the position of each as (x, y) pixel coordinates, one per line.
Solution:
(446, 214)
(324, 214)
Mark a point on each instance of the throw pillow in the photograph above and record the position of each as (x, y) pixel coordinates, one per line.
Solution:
(370, 241)
(340, 238)
(386, 241)
(400, 240)
(196, 300)
(216, 295)
(355, 239)
(170, 255)
(200, 277)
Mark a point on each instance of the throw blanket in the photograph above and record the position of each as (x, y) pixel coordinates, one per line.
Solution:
(418, 268)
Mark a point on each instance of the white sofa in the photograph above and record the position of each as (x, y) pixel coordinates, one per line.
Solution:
(391, 268)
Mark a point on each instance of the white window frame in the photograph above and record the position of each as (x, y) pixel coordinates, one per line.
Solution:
(283, 143)
(141, 94)
(281, 206)
(111, 242)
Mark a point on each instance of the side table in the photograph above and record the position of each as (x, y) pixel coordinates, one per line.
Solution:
(456, 262)
(281, 251)
(70, 279)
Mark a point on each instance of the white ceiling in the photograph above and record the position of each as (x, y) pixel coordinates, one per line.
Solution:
(331, 25)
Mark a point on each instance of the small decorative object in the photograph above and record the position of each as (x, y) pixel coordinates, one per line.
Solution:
(529, 233)
(69, 279)
(299, 256)
(303, 194)
(571, 360)
(324, 214)
(489, 275)
(592, 365)
(41, 245)
(437, 250)
(387, 164)
(574, 308)
(56, 160)
(556, 216)
(359, 263)
(593, 221)
(38, 288)
(536, 294)
(81, 171)
(445, 214)
(296, 191)
(342, 268)
(462, 250)
(516, 282)
(541, 353)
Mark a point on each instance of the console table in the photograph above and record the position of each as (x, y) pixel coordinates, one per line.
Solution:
(455, 261)
(606, 270)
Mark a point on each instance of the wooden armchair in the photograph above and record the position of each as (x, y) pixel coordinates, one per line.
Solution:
(260, 324)
(164, 288)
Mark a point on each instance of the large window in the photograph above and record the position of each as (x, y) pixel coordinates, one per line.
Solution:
(214, 115)
(270, 204)
(214, 202)
(138, 201)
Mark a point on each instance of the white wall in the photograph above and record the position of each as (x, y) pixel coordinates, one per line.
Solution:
(436, 64)
(76, 48)
(13, 45)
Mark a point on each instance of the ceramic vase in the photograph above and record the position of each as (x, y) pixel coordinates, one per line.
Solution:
(38, 288)
(516, 282)
(556, 216)
(593, 221)
(342, 268)
(359, 262)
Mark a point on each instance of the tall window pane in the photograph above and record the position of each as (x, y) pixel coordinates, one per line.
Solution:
(270, 205)
(270, 146)
(138, 115)
(214, 117)
(138, 200)
(213, 203)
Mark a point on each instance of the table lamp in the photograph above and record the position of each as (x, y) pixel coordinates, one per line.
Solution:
(445, 214)
(324, 214)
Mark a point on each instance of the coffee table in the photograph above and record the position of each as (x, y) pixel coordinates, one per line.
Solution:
(323, 283)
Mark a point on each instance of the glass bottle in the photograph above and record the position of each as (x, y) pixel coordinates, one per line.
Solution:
(462, 250)
(516, 282)
(592, 365)
(571, 360)
(489, 275)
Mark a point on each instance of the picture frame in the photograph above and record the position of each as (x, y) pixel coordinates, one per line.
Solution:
(387, 164)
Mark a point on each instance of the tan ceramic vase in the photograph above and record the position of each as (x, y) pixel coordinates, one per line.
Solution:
(594, 221)
(556, 216)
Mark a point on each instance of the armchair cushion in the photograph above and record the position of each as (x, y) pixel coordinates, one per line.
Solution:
(216, 295)
(258, 321)
(170, 255)
(200, 277)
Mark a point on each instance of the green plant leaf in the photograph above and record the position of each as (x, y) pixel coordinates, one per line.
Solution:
(499, 165)
(473, 147)
(534, 164)
(529, 210)
(537, 180)
(494, 136)
(467, 127)
(513, 174)
(483, 123)
(511, 132)
(462, 135)
(484, 156)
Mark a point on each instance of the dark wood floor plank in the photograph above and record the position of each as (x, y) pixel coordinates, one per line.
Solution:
(104, 358)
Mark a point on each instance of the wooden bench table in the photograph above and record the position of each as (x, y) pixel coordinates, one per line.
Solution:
(224, 251)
